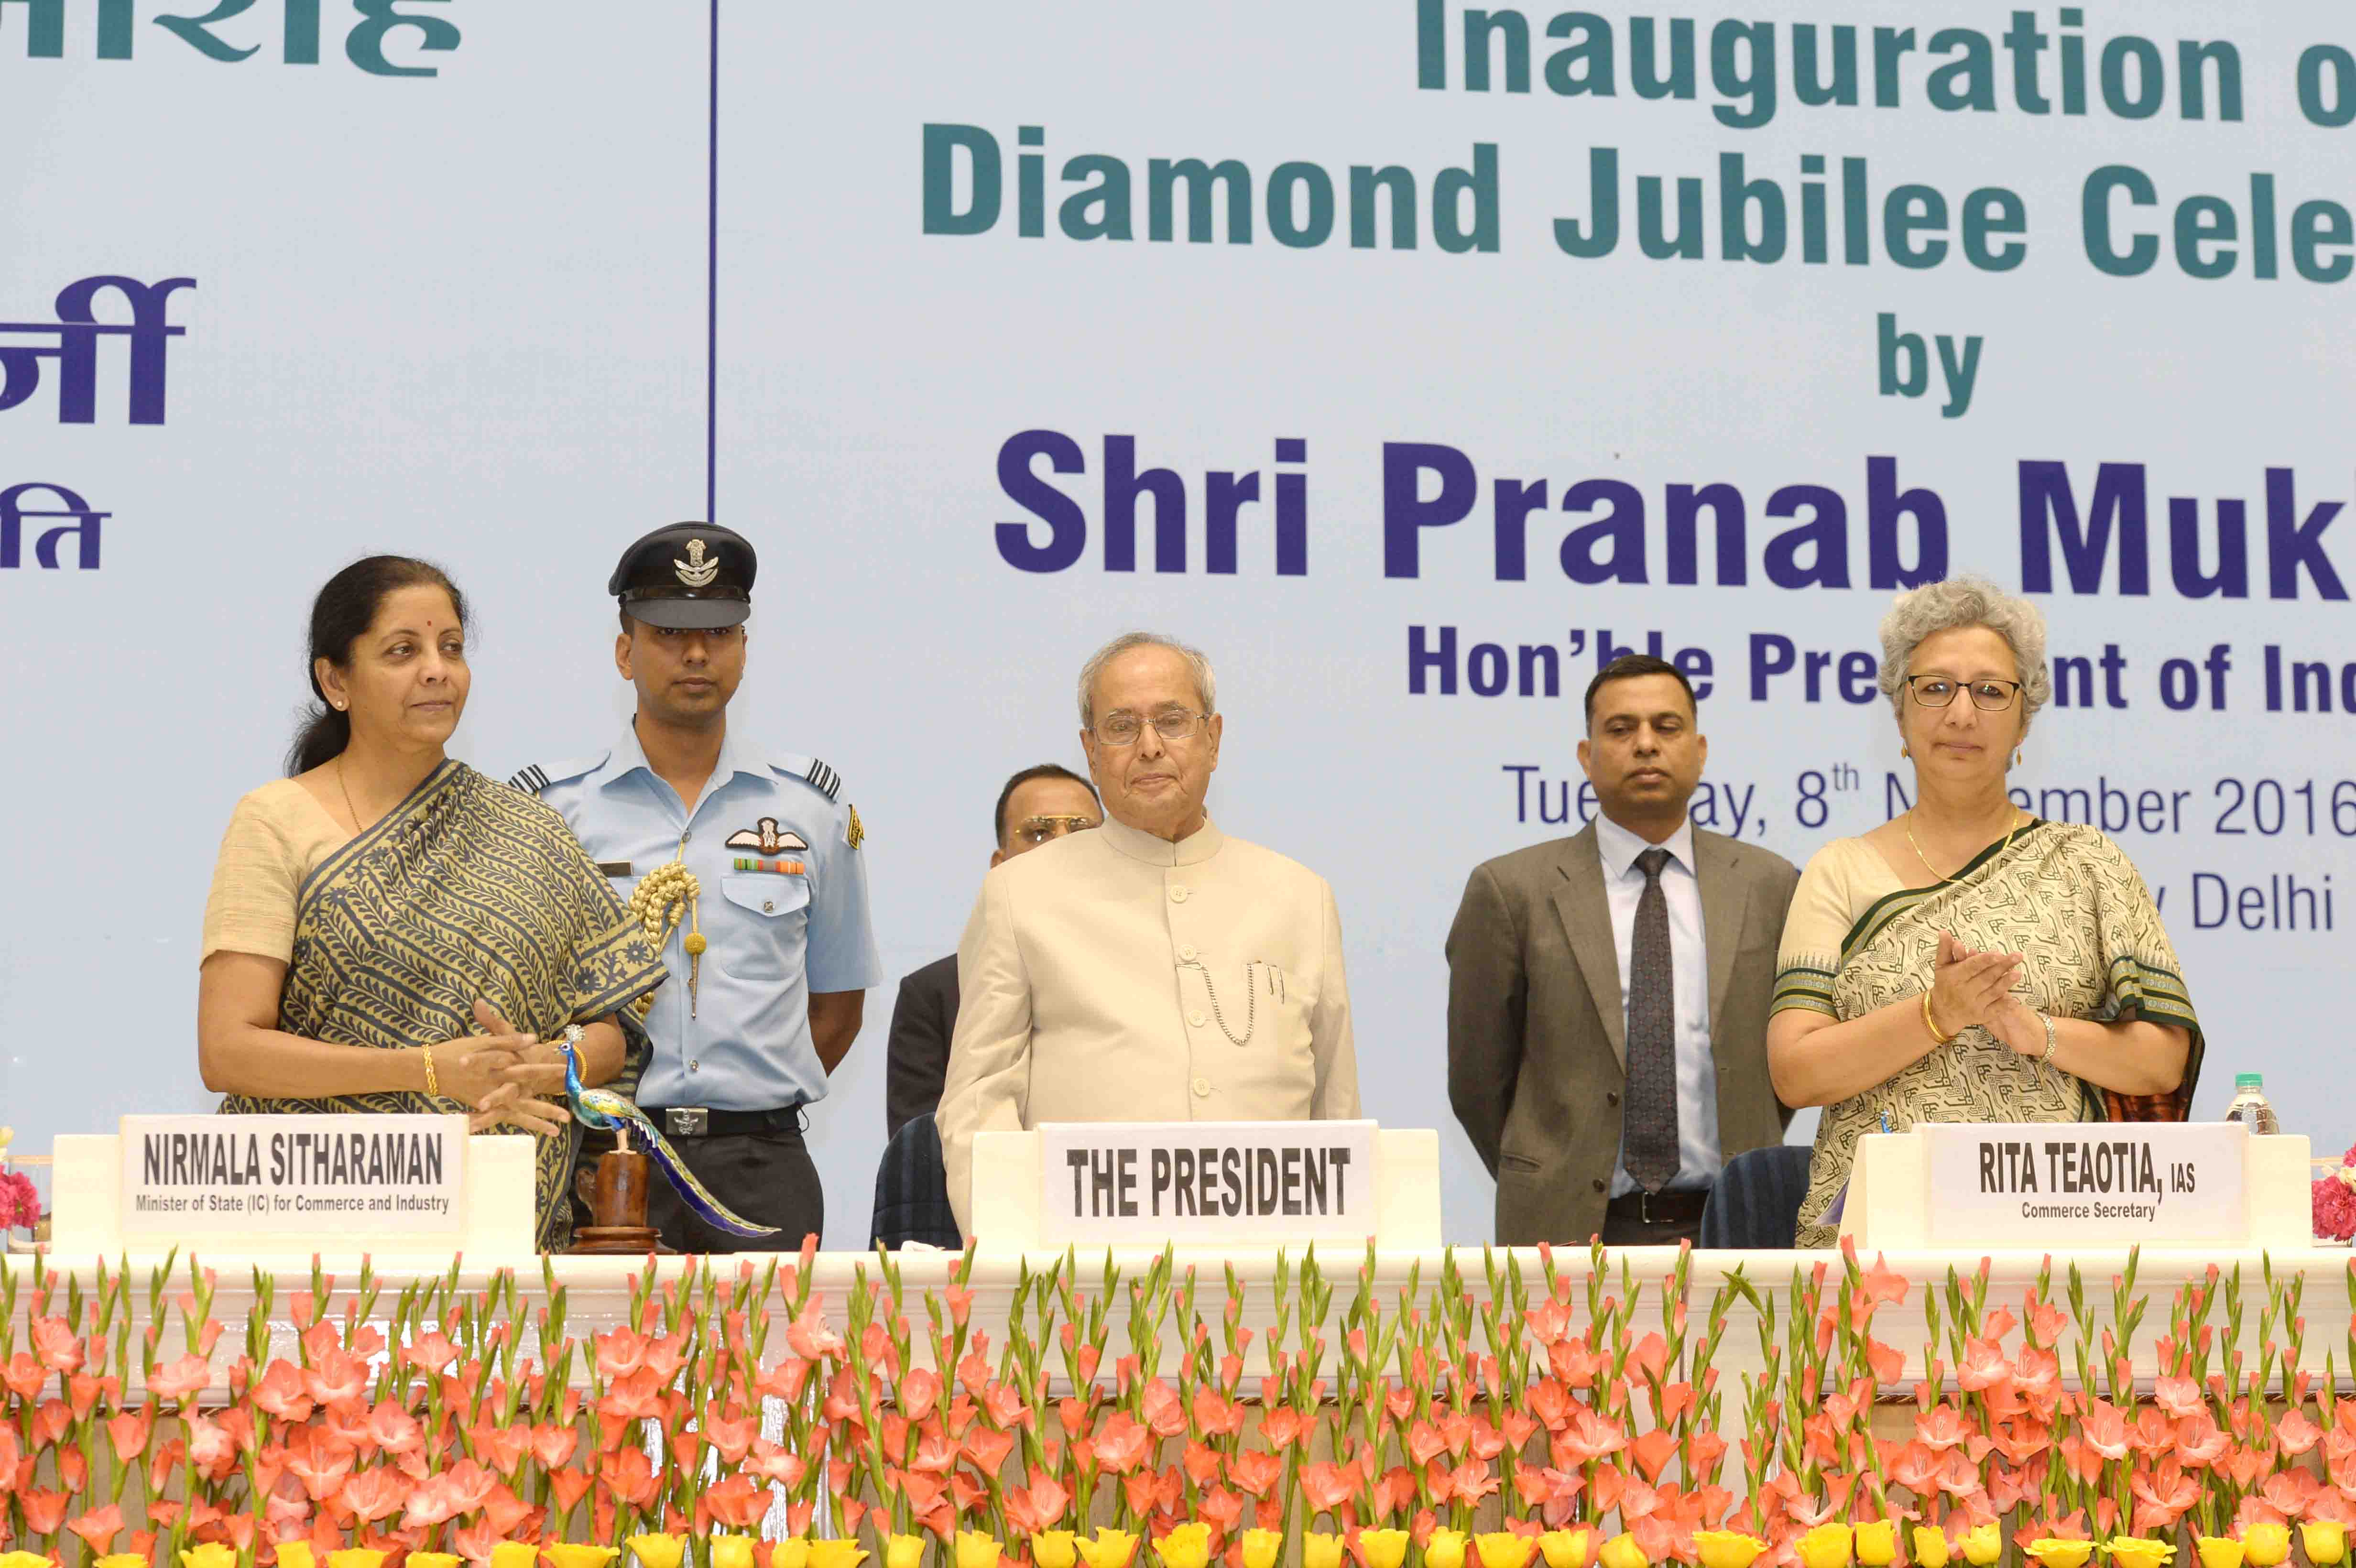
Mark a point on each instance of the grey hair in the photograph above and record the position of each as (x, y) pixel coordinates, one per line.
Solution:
(1205, 682)
(1935, 607)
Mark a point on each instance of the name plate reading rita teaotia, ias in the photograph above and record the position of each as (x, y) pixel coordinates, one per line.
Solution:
(293, 1176)
(1206, 1182)
(2099, 1183)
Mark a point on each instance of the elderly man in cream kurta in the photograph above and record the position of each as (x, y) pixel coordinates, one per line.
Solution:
(1152, 969)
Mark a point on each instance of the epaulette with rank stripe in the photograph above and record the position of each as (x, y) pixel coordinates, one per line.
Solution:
(531, 780)
(823, 779)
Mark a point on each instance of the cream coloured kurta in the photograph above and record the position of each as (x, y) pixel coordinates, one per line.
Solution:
(1115, 976)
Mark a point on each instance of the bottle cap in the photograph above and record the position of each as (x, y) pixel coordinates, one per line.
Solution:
(2249, 1079)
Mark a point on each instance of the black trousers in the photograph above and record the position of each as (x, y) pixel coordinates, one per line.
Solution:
(767, 1178)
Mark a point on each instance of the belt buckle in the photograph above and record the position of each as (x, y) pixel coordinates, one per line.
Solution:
(687, 1122)
(1643, 1207)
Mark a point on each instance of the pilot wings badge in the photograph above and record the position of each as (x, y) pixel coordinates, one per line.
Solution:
(695, 571)
(763, 837)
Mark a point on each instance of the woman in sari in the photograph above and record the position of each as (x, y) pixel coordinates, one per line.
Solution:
(389, 931)
(1967, 962)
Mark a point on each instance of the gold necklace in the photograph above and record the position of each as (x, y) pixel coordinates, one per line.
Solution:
(348, 806)
(1908, 828)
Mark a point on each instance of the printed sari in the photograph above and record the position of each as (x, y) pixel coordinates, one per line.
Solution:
(2060, 893)
(468, 888)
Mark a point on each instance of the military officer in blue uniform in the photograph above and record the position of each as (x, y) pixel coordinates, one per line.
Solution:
(747, 862)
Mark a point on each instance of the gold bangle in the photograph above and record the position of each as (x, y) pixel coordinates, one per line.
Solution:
(1933, 1024)
(433, 1085)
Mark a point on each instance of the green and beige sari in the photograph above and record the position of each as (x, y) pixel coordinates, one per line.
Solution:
(2060, 893)
(468, 888)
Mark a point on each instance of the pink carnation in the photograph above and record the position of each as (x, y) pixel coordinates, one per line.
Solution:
(20, 1203)
(2335, 1208)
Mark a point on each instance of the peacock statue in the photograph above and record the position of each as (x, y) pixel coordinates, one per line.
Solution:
(607, 1111)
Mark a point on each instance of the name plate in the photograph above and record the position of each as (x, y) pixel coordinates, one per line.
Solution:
(2054, 1184)
(302, 1175)
(1206, 1182)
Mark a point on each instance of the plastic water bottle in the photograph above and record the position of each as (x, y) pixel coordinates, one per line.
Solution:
(2250, 1103)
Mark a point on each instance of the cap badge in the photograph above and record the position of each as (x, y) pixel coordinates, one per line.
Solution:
(695, 571)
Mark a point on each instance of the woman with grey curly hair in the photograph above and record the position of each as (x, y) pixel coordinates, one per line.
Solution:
(1967, 962)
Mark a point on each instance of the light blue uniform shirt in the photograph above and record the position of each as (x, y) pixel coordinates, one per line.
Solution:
(1699, 1159)
(771, 937)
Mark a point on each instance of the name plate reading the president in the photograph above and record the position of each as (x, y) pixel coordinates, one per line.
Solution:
(1144, 1183)
(2088, 1183)
(304, 1175)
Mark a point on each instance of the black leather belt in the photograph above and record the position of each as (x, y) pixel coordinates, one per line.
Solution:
(702, 1122)
(1679, 1207)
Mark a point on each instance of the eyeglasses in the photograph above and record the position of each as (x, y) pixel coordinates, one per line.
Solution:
(1172, 724)
(1036, 830)
(1938, 691)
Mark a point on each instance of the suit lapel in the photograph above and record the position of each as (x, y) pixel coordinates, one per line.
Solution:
(1585, 916)
(1724, 898)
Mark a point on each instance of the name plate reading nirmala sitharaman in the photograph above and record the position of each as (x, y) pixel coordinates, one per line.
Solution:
(2088, 1183)
(1206, 1182)
(346, 1176)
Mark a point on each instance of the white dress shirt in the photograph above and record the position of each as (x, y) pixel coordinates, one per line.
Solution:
(1698, 1160)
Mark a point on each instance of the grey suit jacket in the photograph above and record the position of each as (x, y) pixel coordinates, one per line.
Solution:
(1537, 1052)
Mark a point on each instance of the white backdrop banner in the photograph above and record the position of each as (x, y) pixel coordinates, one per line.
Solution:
(1411, 359)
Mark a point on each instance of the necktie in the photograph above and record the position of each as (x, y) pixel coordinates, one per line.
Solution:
(1650, 1125)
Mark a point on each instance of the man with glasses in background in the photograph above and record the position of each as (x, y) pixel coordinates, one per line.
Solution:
(1155, 969)
(1038, 805)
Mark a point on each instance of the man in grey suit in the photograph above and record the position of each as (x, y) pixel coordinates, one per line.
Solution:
(1608, 992)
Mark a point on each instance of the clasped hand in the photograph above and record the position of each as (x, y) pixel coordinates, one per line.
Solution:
(500, 1074)
(1970, 989)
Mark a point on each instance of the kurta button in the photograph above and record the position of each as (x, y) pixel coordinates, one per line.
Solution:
(1178, 895)
(1201, 1088)
(1186, 955)
(1197, 1020)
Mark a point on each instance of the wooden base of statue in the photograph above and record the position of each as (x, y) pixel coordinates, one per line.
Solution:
(617, 1191)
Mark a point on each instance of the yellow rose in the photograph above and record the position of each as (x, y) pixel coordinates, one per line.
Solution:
(793, 1551)
(2051, 1552)
(2324, 1541)
(1111, 1549)
(822, 1554)
(41, 1560)
(1983, 1545)
(2137, 1551)
(658, 1550)
(298, 1555)
(1054, 1549)
(503, 1554)
(1826, 1546)
(1727, 1548)
(368, 1557)
(1565, 1548)
(733, 1550)
(1932, 1548)
(1320, 1550)
(564, 1554)
(2219, 1551)
(1444, 1550)
(2265, 1544)
(1877, 1543)
(1263, 1547)
(1504, 1549)
(974, 1550)
(1185, 1546)
(899, 1551)
(211, 1554)
(434, 1560)
(1621, 1552)
(1383, 1548)
(136, 1559)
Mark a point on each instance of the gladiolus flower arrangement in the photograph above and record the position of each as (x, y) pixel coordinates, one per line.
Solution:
(1510, 1418)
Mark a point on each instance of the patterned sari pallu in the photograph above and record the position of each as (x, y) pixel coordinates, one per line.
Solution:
(468, 888)
(2061, 894)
